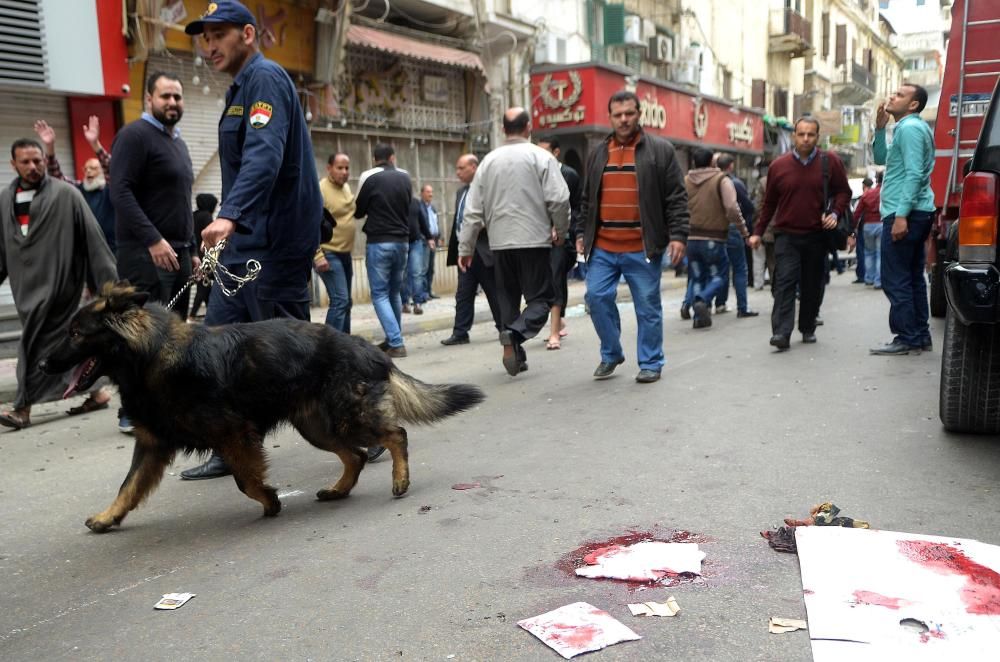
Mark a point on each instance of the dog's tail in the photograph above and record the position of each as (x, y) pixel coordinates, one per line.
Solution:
(417, 402)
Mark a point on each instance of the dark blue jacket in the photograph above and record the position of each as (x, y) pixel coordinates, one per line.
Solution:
(269, 184)
(744, 201)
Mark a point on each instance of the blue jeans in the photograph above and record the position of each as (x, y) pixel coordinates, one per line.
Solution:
(859, 250)
(386, 264)
(736, 251)
(872, 234)
(903, 279)
(643, 278)
(414, 283)
(337, 280)
(708, 264)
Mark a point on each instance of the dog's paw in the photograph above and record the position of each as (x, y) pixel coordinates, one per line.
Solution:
(331, 495)
(99, 525)
(399, 487)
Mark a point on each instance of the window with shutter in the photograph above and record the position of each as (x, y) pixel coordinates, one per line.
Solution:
(841, 53)
(826, 34)
(758, 93)
(614, 24)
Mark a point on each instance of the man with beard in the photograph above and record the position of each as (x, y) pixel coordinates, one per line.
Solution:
(94, 185)
(151, 183)
(271, 201)
(50, 246)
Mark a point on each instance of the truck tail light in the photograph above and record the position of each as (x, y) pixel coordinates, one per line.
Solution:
(977, 224)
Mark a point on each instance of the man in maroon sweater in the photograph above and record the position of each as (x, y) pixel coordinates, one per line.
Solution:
(793, 200)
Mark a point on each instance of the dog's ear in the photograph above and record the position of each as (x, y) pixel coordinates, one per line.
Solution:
(139, 298)
(121, 300)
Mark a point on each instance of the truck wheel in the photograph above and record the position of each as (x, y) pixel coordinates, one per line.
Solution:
(939, 304)
(970, 377)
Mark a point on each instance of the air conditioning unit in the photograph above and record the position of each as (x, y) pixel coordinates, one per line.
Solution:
(633, 30)
(550, 50)
(661, 49)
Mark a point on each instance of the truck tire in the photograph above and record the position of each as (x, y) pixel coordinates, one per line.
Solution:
(939, 304)
(970, 377)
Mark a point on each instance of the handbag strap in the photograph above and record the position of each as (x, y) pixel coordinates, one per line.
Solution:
(825, 167)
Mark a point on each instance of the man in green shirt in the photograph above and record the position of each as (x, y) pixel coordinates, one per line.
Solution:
(907, 209)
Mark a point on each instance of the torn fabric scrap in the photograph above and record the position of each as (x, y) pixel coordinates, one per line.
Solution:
(642, 562)
(578, 628)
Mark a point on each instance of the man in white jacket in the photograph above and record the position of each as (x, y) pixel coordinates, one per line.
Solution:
(520, 197)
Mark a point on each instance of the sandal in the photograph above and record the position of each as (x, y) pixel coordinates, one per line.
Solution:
(552, 344)
(15, 419)
(87, 406)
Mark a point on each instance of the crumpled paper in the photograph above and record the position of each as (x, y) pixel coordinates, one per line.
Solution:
(668, 608)
(578, 628)
(777, 625)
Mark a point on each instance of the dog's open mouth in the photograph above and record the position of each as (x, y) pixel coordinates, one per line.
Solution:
(83, 377)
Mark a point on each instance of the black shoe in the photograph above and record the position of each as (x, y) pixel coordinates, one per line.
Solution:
(374, 452)
(895, 348)
(455, 340)
(685, 312)
(606, 369)
(858, 281)
(747, 313)
(877, 287)
(702, 315)
(384, 345)
(781, 342)
(927, 346)
(808, 338)
(819, 321)
(216, 467)
(431, 295)
(512, 364)
(648, 376)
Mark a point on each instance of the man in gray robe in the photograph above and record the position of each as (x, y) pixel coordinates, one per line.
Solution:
(51, 247)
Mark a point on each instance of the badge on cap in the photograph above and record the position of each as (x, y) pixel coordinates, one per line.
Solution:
(260, 114)
(211, 9)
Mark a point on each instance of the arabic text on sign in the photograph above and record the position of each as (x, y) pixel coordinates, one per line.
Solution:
(567, 115)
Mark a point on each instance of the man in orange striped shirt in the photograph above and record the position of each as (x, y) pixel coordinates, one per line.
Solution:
(634, 209)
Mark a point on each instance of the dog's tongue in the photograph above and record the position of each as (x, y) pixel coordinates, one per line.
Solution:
(75, 379)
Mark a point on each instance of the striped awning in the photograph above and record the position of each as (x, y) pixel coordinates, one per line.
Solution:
(389, 42)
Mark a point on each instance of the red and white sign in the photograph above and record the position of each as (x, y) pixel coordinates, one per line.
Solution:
(576, 98)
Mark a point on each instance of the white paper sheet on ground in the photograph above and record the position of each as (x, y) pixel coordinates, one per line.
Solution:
(871, 594)
(668, 608)
(643, 561)
(578, 628)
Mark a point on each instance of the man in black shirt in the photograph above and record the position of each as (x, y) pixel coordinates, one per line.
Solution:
(151, 180)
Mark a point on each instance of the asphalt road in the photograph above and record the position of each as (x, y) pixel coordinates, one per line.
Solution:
(730, 441)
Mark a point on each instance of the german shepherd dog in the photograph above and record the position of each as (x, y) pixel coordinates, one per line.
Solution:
(196, 389)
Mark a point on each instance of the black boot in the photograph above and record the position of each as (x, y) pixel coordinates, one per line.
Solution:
(216, 467)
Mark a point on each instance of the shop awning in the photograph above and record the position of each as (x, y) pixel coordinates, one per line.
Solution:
(389, 42)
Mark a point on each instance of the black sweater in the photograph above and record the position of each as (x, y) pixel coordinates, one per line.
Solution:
(384, 198)
(151, 180)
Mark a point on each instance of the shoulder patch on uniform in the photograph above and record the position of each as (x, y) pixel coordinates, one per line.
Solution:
(260, 114)
(235, 111)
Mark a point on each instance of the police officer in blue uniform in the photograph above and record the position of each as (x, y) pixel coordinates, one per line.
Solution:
(271, 203)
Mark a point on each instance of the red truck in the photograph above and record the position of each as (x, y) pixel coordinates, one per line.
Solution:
(970, 74)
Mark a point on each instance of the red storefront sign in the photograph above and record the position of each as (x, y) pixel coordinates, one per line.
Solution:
(576, 99)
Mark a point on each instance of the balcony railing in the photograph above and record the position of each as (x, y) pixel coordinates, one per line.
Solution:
(860, 76)
(790, 32)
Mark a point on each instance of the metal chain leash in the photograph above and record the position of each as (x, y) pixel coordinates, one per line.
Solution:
(210, 266)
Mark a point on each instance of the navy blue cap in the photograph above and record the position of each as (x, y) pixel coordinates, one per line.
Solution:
(224, 11)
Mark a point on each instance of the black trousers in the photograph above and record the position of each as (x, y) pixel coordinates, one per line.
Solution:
(527, 273)
(469, 282)
(135, 264)
(799, 261)
(562, 260)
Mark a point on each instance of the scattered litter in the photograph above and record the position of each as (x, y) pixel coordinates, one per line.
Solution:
(883, 595)
(827, 514)
(777, 625)
(465, 486)
(285, 495)
(578, 628)
(668, 608)
(173, 600)
(424, 509)
(781, 539)
(642, 562)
